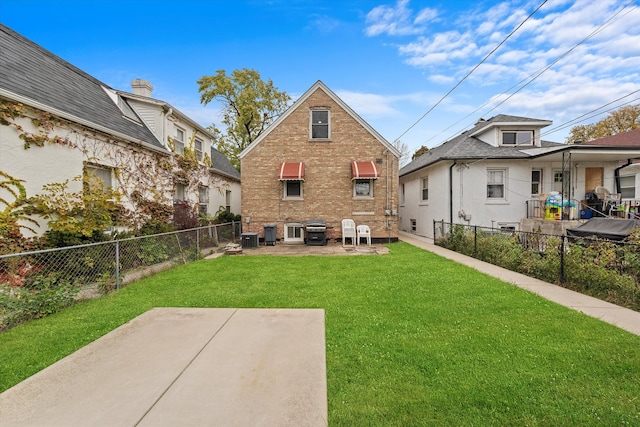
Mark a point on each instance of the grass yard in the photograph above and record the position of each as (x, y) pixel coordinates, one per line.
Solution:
(412, 339)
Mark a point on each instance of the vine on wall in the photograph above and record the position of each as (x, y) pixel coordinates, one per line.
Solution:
(145, 180)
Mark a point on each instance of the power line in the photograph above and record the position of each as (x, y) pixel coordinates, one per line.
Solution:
(592, 113)
(470, 72)
(532, 77)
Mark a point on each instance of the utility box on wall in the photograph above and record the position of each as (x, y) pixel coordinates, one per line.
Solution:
(249, 240)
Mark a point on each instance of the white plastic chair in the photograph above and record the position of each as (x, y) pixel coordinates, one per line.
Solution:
(348, 231)
(364, 231)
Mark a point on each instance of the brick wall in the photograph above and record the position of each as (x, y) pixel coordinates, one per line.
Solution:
(327, 189)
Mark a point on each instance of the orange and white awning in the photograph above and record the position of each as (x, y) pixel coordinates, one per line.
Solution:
(364, 170)
(291, 171)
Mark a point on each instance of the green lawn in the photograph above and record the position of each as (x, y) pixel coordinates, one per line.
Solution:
(412, 339)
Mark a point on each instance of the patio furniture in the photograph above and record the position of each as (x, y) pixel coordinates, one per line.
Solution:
(348, 231)
(363, 231)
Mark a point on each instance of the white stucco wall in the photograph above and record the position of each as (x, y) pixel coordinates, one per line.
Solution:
(469, 192)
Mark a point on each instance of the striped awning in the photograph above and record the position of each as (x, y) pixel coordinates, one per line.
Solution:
(291, 172)
(364, 170)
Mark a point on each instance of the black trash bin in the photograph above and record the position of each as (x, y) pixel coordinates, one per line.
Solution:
(270, 234)
(594, 203)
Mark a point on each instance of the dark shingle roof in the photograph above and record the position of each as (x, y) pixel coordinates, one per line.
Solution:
(32, 72)
(221, 163)
(465, 147)
(625, 139)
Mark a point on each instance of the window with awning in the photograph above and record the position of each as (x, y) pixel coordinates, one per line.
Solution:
(364, 170)
(291, 171)
(292, 175)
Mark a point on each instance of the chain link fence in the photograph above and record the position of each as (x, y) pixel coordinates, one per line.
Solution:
(34, 284)
(606, 269)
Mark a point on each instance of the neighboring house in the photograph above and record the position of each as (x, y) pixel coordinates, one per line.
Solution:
(627, 177)
(499, 173)
(320, 160)
(58, 122)
(220, 188)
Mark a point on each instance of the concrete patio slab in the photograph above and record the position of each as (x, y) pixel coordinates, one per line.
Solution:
(185, 366)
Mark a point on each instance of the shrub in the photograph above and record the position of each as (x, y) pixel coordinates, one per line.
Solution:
(43, 296)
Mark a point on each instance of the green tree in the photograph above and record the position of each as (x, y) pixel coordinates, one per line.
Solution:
(249, 105)
(619, 121)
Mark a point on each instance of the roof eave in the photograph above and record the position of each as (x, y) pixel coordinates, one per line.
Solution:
(319, 85)
(40, 106)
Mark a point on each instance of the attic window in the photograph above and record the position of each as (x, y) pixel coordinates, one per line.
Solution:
(320, 125)
(517, 137)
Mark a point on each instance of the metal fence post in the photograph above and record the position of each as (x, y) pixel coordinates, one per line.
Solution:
(434, 231)
(198, 251)
(562, 259)
(475, 241)
(117, 264)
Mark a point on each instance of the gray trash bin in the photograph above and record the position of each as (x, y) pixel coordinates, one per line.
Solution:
(270, 234)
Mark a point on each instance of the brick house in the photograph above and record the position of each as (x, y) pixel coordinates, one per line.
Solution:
(320, 160)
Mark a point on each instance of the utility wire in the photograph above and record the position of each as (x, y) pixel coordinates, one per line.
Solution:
(470, 72)
(533, 77)
(592, 114)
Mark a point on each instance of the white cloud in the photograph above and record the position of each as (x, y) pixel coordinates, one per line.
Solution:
(369, 104)
(397, 20)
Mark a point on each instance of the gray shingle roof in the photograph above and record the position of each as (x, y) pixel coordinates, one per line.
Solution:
(221, 163)
(465, 147)
(30, 71)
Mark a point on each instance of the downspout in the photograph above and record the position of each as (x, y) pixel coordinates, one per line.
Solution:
(616, 174)
(451, 191)
(164, 125)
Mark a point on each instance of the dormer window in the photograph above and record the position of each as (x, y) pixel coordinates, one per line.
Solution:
(517, 137)
(320, 125)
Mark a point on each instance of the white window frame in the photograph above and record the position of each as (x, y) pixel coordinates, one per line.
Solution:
(424, 186)
(356, 194)
(179, 192)
(557, 184)
(320, 124)
(293, 232)
(203, 199)
(103, 173)
(227, 200)
(537, 183)
(198, 145)
(285, 186)
(492, 174)
(628, 191)
(178, 140)
(522, 137)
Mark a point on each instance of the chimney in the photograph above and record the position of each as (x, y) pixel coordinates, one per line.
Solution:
(142, 87)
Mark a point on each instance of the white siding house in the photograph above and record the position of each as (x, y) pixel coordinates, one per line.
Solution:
(58, 123)
(499, 173)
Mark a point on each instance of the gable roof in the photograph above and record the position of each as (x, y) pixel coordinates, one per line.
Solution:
(467, 147)
(482, 125)
(626, 139)
(320, 86)
(36, 77)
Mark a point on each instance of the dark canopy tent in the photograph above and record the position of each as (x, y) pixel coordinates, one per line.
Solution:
(605, 228)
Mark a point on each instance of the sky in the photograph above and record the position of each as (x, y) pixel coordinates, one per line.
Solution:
(419, 71)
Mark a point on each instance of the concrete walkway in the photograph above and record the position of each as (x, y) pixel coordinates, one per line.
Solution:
(621, 317)
(185, 367)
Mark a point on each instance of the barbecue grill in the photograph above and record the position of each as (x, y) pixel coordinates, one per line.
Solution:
(316, 230)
